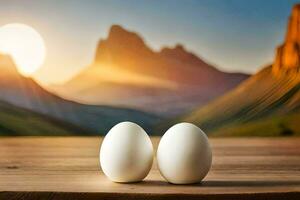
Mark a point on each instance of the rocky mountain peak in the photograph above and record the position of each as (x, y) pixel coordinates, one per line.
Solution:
(177, 49)
(7, 65)
(118, 33)
(293, 32)
(288, 54)
(179, 52)
(120, 41)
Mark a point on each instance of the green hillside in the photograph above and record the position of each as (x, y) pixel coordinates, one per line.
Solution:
(264, 105)
(260, 96)
(287, 125)
(25, 92)
(15, 121)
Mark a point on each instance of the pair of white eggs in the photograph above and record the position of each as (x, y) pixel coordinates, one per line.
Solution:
(183, 156)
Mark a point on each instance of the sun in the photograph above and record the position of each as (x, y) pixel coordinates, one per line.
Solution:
(25, 45)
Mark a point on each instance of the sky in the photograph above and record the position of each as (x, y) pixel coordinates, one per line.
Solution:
(233, 35)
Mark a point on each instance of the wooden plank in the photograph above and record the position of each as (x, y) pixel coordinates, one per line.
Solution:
(68, 167)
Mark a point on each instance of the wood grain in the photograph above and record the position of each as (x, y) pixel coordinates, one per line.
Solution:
(68, 168)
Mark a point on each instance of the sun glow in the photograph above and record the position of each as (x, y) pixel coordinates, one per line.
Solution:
(25, 45)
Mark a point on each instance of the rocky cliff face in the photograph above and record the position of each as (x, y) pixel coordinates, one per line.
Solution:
(288, 54)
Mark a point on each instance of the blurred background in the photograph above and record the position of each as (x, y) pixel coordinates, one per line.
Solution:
(78, 68)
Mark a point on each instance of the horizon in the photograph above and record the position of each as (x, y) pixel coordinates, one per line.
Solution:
(73, 29)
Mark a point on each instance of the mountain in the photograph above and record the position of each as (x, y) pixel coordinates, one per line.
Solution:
(126, 72)
(22, 122)
(268, 103)
(24, 92)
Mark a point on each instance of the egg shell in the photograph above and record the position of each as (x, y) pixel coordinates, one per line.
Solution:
(184, 154)
(126, 153)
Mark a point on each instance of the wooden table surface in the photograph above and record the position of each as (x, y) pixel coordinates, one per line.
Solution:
(68, 168)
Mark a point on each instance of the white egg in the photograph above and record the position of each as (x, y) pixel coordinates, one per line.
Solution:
(184, 155)
(126, 153)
